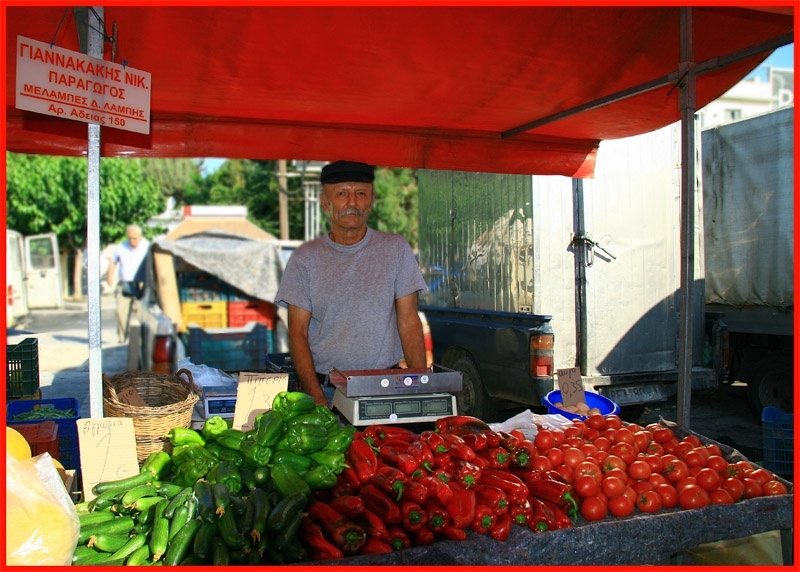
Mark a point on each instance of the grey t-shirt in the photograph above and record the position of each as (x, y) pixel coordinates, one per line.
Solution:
(350, 292)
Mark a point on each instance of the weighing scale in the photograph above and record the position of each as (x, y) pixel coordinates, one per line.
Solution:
(383, 396)
(219, 400)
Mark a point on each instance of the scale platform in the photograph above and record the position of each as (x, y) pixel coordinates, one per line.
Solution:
(383, 396)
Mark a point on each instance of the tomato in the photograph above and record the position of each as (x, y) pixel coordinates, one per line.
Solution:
(588, 468)
(596, 422)
(652, 426)
(676, 470)
(709, 479)
(544, 440)
(694, 440)
(574, 442)
(695, 458)
(648, 501)
(669, 446)
(613, 462)
(624, 451)
(682, 449)
(668, 494)
(680, 485)
(599, 456)
(713, 450)
(734, 486)
(662, 434)
(656, 479)
(614, 421)
(641, 486)
(774, 487)
(586, 486)
(752, 488)
(654, 448)
(591, 434)
(631, 494)
(555, 456)
(602, 442)
(639, 470)
(610, 434)
(624, 435)
(593, 508)
(655, 461)
(641, 439)
(761, 476)
(741, 468)
(573, 456)
(621, 506)
(575, 430)
(566, 472)
(721, 496)
(612, 486)
(589, 449)
(717, 463)
(541, 463)
(558, 438)
(693, 496)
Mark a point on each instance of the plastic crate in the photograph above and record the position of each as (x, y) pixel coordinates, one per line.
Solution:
(41, 436)
(259, 311)
(22, 368)
(69, 452)
(202, 287)
(282, 363)
(205, 314)
(777, 431)
(230, 349)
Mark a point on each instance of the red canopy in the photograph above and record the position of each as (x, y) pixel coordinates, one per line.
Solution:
(437, 87)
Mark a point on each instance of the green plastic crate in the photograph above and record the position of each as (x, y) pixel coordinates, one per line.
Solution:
(22, 369)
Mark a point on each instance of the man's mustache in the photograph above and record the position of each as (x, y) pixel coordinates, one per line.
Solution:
(352, 211)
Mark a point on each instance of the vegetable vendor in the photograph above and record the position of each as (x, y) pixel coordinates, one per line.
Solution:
(351, 294)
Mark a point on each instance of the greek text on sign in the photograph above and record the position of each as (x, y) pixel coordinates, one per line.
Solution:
(72, 85)
(571, 386)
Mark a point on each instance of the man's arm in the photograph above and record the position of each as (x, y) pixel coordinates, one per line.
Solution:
(409, 326)
(303, 361)
(111, 273)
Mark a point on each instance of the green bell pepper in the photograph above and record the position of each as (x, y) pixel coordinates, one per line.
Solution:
(185, 435)
(225, 472)
(320, 477)
(325, 419)
(268, 427)
(231, 438)
(254, 455)
(213, 426)
(332, 459)
(303, 439)
(190, 452)
(189, 472)
(298, 462)
(339, 440)
(287, 481)
(225, 454)
(293, 403)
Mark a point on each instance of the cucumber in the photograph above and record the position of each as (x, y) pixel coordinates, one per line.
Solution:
(133, 544)
(104, 500)
(120, 525)
(159, 537)
(285, 510)
(96, 559)
(123, 485)
(140, 528)
(139, 557)
(87, 518)
(202, 540)
(193, 560)
(146, 503)
(82, 553)
(288, 533)
(146, 516)
(220, 552)
(179, 520)
(108, 542)
(134, 494)
(167, 489)
(179, 546)
(176, 500)
(205, 501)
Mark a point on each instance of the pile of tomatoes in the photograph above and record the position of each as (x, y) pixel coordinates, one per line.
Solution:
(619, 468)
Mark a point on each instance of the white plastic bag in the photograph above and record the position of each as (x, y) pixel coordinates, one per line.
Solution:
(42, 525)
(527, 421)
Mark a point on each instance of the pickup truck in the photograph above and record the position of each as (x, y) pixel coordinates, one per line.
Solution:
(505, 358)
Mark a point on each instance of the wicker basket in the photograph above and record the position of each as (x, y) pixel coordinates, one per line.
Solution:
(170, 401)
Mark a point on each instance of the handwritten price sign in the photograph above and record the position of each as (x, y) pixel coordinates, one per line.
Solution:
(108, 451)
(255, 394)
(571, 386)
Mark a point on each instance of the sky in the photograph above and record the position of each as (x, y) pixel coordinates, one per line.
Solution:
(780, 58)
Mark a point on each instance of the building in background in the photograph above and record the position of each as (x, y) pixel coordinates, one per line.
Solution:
(751, 97)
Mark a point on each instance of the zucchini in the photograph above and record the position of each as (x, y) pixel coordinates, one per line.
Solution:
(202, 540)
(179, 545)
(230, 532)
(193, 560)
(176, 500)
(261, 475)
(134, 494)
(123, 485)
(139, 557)
(205, 500)
(258, 498)
(287, 534)
(220, 553)
(295, 552)
(133, 544)
(179, 520)
(108, 542)
(120, 525)
(222, 498)
(285, 510)
(159, 537)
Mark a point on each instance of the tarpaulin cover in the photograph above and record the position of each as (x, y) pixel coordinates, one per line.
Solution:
(439, 87)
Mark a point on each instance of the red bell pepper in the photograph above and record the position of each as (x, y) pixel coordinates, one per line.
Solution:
(381, 504)
(380, 433)
(498, 457)
(453, 533)
(492, 439)
(457, 448)
(501, 528)
(373, 525)
(462, 506)
(561, 518)
(467, 473)
(416, 492)
(349, 505)
(508, 441)
(521, 513)
(555, 492)
(528, 474)
(460, 424)
(390, 480)
(341, 488)
(345, 533)
(361, 456)
(492, 497)
(481, 462)
(398, 539)
(422, 453)
(350, 477)
(403, 461)
(443, 462)
(542, 518)
(438, 517)
(375, 546)
(423, 536)
(476, 441)
(318, 547)
(438, 487)
(414, 516)
(435, 441)
(442, 475)
(483, 520)
(512, 485)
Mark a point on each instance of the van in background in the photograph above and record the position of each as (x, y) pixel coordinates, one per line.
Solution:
(16, 295)
(33, 274)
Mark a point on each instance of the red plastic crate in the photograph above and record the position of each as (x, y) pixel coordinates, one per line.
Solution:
(42, 437)
(259, 311)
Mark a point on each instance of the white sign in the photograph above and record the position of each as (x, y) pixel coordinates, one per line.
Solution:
(63, 83)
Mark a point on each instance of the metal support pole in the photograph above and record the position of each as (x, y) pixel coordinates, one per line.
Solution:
(283, 200)
(95, 49)
(580, 247)
(688, 105)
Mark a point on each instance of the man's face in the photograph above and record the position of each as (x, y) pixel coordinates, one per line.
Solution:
(134, 238)
(348, 204)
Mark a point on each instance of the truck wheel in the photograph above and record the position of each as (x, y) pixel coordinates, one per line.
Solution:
(473, 399)
(772, 384)
(631, 413)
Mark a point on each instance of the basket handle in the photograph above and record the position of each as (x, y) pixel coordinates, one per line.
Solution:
(190, 381)
(110, 388)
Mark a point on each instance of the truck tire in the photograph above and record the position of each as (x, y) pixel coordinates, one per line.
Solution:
(631, 413)
(473, 399)
(771, 385)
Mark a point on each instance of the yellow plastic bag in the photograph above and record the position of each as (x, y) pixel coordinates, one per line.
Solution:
(42, 525)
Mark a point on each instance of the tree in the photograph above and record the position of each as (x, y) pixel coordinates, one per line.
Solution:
(48, 194)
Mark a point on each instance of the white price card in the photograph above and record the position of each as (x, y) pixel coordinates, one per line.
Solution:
(108, 451)
(571, 386)
(254, 396)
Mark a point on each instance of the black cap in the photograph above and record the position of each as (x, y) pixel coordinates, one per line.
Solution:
(347, 171)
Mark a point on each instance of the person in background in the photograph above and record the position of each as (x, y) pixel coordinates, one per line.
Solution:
(351, 294)
(127, 258)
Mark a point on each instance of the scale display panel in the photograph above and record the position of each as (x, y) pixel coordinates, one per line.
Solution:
(396, 409)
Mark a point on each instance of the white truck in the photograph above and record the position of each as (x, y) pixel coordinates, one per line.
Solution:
(748, 218)
(600, 257)
(33, 274)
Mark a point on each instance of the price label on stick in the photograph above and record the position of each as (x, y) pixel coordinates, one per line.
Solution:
(254, 395)
(571, 386)
(108, 451)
